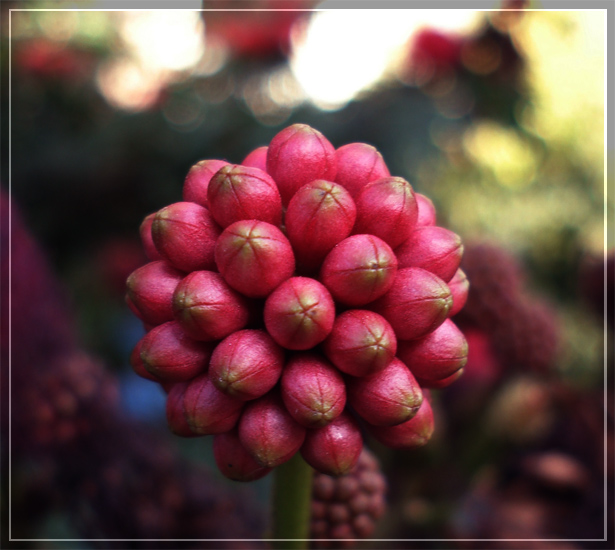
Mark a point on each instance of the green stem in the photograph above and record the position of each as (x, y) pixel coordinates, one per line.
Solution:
(292, 496)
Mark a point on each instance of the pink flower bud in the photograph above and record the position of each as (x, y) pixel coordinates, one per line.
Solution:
(175, 411)
(185, 234)
(460, 287)
(334, 449)
(145, 230)
(137, 363)
(411, 434)
(257, 159)
(234, 461)
(197, 180)
(387, 209)
(439, 384)
(170, 355)
(207, 308)
(150, 290)
(298, 155)
(357, 165)
(299, 314)
(319, 215)
(246, 364)
(313, 390)
(427, 211)
(417, 303)
(254, 257)
(361, 342)
(386, 398)
(359, 270)
(433, 248)
(207, 410)
(268, 432)
(240, 193)
(436, 356)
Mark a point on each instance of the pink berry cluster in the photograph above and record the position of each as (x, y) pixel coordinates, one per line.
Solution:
(295, 301)
(348, 508)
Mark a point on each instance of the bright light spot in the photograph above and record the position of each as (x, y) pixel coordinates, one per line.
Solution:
(565, 58)
(159, 46)
(165, 39)
(503, 151)
(457, 21)
(344, 52)
(127, 85)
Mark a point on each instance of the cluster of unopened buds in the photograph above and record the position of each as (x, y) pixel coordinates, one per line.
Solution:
(296, 301)
(347, 508)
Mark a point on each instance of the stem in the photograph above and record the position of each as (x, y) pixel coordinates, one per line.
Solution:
(292, 497)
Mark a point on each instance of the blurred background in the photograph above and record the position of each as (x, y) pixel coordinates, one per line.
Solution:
(498, 116)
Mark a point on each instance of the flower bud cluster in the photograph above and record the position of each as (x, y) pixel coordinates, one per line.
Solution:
(295, 301)
(58, 406)
(347, 508)
(521, 327)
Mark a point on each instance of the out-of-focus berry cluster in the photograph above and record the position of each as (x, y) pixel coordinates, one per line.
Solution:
(293, 297)
(347, 508)
(512, 326)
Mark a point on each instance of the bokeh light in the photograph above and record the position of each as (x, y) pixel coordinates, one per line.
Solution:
(341, 53)
(158, 48)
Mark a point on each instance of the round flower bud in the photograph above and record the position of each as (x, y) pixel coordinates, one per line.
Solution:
(137, 364)
(171, 356)
(313, 390)
(175, 411)
(150, 291)
(359, 270)
(207, 410)
(145, 231)
(319, 215)
(387, 209)
(298, 155)
(411, 434)
(254, 257)
(197, 180)
(437, 355)
(207, 308)
(460, 287)
(299, 314)
(257, 159)
(417, 303)
(246, 364)
(334, 449)
(241, 193)
(357, 165)
(386, 398)
(360, 343)
(433, 248)
(268, 432)
(427, 211)
(234, 461)
(185, 235)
